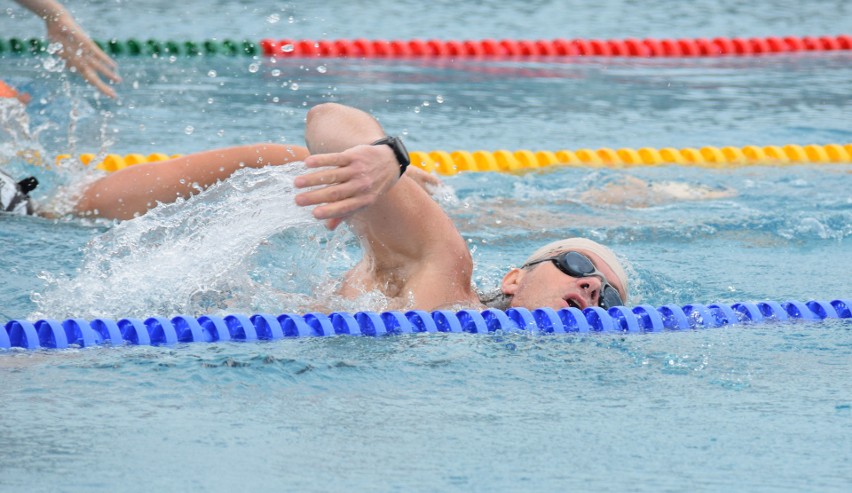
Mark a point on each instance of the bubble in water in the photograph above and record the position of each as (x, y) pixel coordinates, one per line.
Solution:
(425, 103)
(253, 68)
(189, 129)
(287, 48)
(276, 72)
(209, 100)
(52, 64)
(221, 133)
(322, 69)
(439, 99)
(417, 109)
(273, 18)
(294, 86)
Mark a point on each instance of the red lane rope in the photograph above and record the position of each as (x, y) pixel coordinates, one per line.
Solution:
(631, 47)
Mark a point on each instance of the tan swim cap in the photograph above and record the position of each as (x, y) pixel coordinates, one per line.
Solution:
(583, 244)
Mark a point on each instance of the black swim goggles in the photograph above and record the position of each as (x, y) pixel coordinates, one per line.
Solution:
(575, 264)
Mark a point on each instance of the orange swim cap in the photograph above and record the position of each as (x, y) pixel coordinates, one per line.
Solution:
(6, 91)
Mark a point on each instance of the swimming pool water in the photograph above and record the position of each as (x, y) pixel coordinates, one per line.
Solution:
(760, 408)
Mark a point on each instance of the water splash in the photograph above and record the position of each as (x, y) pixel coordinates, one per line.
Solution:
(240, 245)
(17, 139)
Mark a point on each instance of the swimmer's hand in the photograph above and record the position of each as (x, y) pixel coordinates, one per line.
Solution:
(348, 181)
(81, 53)
(427, 181)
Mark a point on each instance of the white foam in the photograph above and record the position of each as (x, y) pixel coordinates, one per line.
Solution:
(204, 255)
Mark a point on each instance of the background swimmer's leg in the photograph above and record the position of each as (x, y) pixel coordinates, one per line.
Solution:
(134, 190)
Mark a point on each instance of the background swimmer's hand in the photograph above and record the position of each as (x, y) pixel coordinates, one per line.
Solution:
(427, 181)
(349, 181)
(81, 53)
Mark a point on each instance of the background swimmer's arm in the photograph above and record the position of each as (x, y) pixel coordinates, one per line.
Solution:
(410, 244)
(134, 190)
(78, 50)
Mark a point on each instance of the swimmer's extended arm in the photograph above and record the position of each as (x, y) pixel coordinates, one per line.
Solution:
(411, 246)
(78, 50)
(134, 190)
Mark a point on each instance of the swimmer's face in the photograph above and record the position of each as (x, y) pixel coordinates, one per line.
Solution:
(544, 285)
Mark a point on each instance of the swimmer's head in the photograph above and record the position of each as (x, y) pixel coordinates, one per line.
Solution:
(591, 276)
(14, 196)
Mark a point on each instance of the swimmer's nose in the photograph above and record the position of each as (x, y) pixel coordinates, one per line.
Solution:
(591, 289)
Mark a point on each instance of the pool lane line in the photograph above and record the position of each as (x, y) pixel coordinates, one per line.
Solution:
(450, 163)
(641, 319)
(456, 49)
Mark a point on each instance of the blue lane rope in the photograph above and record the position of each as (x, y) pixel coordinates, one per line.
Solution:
(53, 334)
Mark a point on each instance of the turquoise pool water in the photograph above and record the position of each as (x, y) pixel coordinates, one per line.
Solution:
(761, 408)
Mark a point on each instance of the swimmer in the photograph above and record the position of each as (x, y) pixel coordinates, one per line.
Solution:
(411, 248)
(412, 252)
(78, 50)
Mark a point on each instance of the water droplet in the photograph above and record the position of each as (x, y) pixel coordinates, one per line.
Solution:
(276, 72)
(425, 103)
(294, 86)
(189, 129)
(417, 109)
(322, 69)
(273, 18)
(439, 99)
(253, 68)
(209, 100)
(211, 73)
(275, 99)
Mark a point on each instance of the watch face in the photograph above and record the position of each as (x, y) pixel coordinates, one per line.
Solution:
(401, 151)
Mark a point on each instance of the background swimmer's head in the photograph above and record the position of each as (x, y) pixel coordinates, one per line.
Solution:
(544, 285)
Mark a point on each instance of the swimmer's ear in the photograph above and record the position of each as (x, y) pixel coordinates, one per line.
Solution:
(511, 281)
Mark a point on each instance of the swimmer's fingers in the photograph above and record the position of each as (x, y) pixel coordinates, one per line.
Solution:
(327, 176)
(327, 160)
(422, 178)
(92, 78)
(101, 57)
(338, 211)
(340, 193)
(81, 53)
(371, 169)
(104, 69)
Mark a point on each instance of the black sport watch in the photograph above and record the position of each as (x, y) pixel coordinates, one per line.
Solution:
(399, 151)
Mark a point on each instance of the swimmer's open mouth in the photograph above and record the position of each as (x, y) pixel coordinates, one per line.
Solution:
(572, 302)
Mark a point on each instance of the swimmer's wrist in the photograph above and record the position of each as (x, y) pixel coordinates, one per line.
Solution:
(403, 159)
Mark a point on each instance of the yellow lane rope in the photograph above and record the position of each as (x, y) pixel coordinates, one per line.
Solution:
(450, 163)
